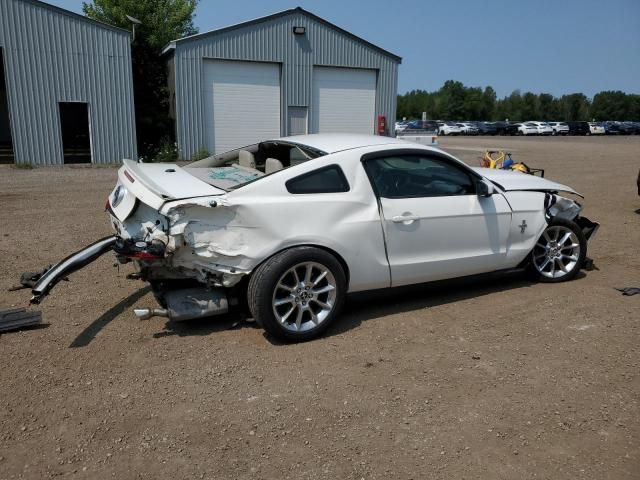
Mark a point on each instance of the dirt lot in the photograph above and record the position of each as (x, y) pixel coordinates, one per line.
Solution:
(490, 378)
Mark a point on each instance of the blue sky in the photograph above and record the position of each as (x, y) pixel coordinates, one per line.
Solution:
(553, 46)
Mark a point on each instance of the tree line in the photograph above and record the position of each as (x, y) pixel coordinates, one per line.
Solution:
(455, 101)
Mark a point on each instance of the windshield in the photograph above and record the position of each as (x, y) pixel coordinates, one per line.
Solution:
(231, 170)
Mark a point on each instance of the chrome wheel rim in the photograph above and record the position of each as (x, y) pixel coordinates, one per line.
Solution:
(304, 296)
(557, 252)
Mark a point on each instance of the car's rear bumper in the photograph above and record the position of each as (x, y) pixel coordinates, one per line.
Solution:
(69, 265)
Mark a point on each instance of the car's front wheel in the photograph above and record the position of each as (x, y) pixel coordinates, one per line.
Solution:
(297, 293)
(559, 253)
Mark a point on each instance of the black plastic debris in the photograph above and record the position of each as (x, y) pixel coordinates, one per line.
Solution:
(29, 279)
(628, 291)
(17, 318)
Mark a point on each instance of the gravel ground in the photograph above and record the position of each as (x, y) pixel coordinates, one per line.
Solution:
(487, 378)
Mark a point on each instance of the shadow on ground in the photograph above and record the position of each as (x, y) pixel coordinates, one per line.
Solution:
(206, 326)
(360, 307)
(88, 334)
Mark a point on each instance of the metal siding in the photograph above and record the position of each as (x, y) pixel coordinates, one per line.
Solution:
(52, 57)
(273, 41)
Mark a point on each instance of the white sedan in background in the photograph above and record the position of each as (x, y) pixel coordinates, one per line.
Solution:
(559, 128)
(596, 128)
(543, 128)
(287, 227)
(467, 128)
(449, 128)
(527, 128)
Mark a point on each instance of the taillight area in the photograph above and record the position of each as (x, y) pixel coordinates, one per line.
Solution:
(139, 250)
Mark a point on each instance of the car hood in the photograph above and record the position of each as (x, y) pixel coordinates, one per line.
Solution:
(511, 180)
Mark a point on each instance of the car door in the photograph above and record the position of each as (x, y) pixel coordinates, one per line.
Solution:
(436, 226)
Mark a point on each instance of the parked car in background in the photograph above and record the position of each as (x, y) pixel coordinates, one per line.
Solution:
(626, 128)
(527, 128)
(420, 126)
(400, 126)
(467, 128)
(579, 128)
(559, 128)
(543, 128)
(501, 127)
(486, 128)
(510, 128)
(611, 128)
(448, 128)
(596, 128)
(234, 229)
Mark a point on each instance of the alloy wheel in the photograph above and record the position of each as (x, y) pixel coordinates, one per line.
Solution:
(557, 252)
(304, 296)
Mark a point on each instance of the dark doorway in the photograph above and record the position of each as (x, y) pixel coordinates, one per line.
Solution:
(76, 139)
(6, 145)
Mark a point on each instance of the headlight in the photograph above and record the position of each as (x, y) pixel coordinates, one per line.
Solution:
(117, 196)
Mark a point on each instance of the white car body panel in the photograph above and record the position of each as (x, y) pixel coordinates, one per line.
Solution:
(513, 180)
(466, 234)
(209, 232)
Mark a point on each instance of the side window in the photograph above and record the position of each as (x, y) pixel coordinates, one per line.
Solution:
(404, 176)
(324, 180)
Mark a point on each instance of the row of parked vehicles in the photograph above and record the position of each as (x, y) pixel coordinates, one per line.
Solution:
(518, 128)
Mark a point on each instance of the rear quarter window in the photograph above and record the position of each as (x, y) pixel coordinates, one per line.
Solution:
(328, 179)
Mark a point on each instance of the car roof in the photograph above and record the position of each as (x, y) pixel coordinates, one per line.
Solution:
(337, 142)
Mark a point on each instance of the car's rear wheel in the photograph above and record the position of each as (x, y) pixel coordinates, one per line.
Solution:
(296, 294)
(559, 253)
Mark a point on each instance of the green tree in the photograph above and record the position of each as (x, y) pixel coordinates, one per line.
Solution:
(612, 106)
(545, 106)
(488, 104)
(529, 106)
(450, 101)
(574, 107)
(455, 101)
(162, 22)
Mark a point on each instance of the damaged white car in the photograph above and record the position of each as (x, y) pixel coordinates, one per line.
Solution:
(288, 227)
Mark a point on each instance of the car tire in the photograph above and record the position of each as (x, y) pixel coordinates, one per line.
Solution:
(296, 294)
(553, 259)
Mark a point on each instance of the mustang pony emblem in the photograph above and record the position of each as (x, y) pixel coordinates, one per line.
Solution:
(523, 226)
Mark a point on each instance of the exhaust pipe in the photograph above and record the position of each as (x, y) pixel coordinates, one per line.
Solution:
(188, 304)
(147, 313)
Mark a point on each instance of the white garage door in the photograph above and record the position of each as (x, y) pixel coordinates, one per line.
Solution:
(242, 103)
(344, 100)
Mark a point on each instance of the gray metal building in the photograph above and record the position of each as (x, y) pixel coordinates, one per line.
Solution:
(288, 73)
(66, 87)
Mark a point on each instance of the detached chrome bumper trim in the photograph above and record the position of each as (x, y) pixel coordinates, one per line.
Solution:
(69, 265)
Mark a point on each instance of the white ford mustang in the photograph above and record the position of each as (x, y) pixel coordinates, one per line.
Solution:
(287, 227)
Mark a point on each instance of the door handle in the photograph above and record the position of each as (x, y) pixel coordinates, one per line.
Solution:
(405, 218)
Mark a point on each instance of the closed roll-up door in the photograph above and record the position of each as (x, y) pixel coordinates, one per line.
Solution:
(242, 103)
(344, 100)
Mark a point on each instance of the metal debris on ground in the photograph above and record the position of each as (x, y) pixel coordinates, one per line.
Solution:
(628, 291)
(29, 279)
(16, 318)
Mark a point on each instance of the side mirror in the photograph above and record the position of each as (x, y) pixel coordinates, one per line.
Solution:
(485, 189)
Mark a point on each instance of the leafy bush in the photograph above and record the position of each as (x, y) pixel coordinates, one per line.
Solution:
(200, 154)
(167, 153)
